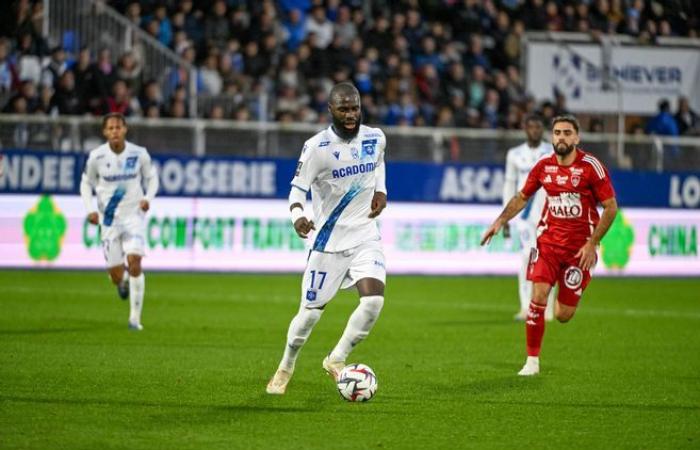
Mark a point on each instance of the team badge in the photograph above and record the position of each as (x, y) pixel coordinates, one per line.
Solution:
(311, 295)
(575, 180)
(573, 277)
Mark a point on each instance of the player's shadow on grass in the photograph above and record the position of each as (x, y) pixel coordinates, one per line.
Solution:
(38, 331)
(143, 403)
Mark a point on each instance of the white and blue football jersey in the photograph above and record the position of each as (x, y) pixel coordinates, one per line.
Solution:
(519, 161)
(342, 178)
(118, 180)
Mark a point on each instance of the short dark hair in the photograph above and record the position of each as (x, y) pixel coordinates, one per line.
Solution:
(568, 118)
(113, 115)
(534, 118)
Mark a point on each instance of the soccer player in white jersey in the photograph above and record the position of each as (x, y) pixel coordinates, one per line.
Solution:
(117, 171)
(519, 161)
(343, 166)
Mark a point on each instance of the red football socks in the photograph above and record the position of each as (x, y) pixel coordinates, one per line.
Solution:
(534, 328)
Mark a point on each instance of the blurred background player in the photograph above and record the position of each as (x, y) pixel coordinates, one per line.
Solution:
(117, 171)
(519, 161)
(569, 231)
(343, 166)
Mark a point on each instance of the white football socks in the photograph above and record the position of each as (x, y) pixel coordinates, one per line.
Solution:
(359, 325)
(299, 331)
(136, 290)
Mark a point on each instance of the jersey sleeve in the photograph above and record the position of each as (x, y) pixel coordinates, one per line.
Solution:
(149, 175)
(602, 186)
(532, 184)
(308, 167)
(380, 169)
(90, 174)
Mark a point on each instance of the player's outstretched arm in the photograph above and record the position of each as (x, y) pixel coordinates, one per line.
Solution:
(514, 206)
(587, 253)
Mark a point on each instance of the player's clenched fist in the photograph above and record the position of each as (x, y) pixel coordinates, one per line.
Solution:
(303, 227)
(378, 204)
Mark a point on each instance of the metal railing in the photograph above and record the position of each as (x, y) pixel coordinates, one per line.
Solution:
(201, 137)
(73, 24)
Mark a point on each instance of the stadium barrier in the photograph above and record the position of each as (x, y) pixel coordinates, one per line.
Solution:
(229, 214)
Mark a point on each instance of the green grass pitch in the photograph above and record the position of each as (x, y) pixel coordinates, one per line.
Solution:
(623, 374)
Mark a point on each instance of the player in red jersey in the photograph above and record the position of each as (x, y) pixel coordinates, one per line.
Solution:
(568, 232)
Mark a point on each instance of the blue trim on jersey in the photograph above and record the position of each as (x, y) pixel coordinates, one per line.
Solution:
(300, 188)
(325, 233)
(112, 205)
(526, 211)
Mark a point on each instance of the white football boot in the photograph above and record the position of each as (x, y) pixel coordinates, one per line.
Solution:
(278, 382)
(333, 368)
(531, 367)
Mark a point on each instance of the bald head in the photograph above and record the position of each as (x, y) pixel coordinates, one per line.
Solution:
(342, 91)
(344, 106)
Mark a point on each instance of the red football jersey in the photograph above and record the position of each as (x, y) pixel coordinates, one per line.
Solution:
(573, 193)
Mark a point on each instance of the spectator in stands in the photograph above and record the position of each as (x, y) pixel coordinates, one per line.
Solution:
(129, 70)
(295, 29)
(9, 80)
(54, 69)
(687, 119)
(66, 100)
(663, 123)
(209, 73)
(320, 26)
(151, 97)
(216, 25)
(119, 101)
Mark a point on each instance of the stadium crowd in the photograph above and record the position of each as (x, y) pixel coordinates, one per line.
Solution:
(441, 63)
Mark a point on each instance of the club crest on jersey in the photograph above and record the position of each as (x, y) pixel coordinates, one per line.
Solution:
(131, 162)
(573, 277)
(575, 180)
(310, 295)
(368, 147)
(355, 154)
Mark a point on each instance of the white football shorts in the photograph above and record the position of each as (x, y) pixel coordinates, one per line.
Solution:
(126, 236)
(326, 273)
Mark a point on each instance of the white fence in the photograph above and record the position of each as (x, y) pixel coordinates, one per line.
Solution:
(258, 139)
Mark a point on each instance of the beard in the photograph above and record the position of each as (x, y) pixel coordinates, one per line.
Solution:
(562, 149)
(345, 133)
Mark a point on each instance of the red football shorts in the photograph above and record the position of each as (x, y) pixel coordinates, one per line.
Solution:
(550, 264)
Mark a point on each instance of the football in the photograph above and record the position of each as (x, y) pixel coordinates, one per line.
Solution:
(357, 383)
